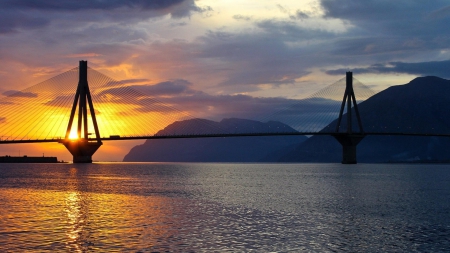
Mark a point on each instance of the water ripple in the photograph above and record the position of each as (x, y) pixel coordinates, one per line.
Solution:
(224, 208)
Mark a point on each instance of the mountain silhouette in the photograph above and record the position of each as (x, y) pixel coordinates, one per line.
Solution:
(216, 149)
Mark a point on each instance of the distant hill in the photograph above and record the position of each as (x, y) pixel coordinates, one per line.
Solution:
(422, 105)
(231, 149)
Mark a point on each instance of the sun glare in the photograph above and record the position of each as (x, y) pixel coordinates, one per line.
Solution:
(73, 134)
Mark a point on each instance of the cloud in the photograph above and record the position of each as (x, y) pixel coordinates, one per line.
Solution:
(131, 93)
(432, 68)
(83, 55)
(74, 5)
(61, 101)
(167, 88)
(267, 53)
(28, 14)
(242, 17)
(6, 103)
(389, 26)
(177, 24)
(239, 61)
(11, 21)
(282, 9)
(384, 11)
(125, 82)
(300, 15)
(266, 57)
(15, 93)
(441, 13)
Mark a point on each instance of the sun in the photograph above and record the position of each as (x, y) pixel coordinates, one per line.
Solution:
(73, 134)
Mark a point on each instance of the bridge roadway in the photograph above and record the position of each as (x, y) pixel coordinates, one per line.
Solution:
(151, 137)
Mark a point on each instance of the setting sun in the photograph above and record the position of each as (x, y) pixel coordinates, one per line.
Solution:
(73, 134)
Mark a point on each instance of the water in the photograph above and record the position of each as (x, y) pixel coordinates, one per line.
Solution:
(163, 207)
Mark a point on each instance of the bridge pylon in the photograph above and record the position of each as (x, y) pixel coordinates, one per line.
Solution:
(82, 147)
(349, 139)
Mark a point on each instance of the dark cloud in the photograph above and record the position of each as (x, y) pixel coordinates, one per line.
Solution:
(282, 8)
(11, 21)
(168, 88)
(130, 93)
(391, 27)
(71, 5)
(61, 101)
(390, 31)
(241, 61)
(177, 24)
(265, 58)
(242, 17)
(432, 68)
(441, 13)
(28, 14)
(291, 31)
(6, 103)
(125, 82)
(118, 95)
(383, 11)
(275, 51)
(15, 93)
(300, 15)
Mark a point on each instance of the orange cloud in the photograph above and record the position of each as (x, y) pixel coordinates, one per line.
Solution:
(83, 56)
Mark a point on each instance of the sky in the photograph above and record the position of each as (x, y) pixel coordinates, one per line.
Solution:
(215, 56)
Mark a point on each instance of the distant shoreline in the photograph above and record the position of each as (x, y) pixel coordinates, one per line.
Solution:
(29, 159)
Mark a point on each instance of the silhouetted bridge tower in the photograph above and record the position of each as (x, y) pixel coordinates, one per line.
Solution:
(349, 139)
(82, 148)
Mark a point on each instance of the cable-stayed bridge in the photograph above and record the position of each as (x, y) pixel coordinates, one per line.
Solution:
(81, 108)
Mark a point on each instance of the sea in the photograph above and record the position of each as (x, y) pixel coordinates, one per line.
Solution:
(224, 207)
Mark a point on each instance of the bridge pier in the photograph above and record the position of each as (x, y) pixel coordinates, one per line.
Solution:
(349, 140)
(81, 150)
(349, 143)
(82, 147)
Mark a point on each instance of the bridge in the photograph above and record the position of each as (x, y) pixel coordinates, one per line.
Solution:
(38, 114)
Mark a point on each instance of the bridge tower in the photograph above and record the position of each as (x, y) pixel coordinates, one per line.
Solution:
(349, 139)
(82, 148)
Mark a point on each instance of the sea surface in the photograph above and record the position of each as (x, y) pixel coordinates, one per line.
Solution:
(213, 207)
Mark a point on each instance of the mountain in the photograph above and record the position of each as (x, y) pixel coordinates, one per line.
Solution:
(421, 106)
(216, 149)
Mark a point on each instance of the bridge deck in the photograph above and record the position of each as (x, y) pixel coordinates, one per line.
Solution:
(117, 138)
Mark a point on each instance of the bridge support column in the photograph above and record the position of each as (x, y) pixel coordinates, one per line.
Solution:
(82, 147)
(81, 150)
(349, 140)
(349, 143)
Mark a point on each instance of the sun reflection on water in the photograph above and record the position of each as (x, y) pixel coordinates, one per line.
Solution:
(75, 212)
(83, 208)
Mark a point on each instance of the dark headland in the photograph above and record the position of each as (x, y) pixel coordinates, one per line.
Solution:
(235, 149)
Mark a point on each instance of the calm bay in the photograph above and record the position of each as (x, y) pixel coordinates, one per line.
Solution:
(204, 207)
